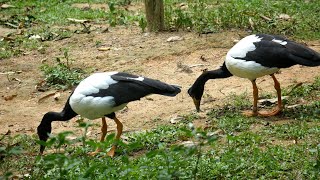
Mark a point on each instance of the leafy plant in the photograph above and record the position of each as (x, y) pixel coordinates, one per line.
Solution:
(142, 22)
(274, 17)
(116, 16)
(62, 75)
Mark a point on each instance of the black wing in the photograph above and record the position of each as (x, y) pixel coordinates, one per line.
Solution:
(128, 88)
(282, 54)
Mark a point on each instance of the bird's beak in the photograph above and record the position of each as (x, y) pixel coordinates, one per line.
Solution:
(42, 147)
(196, 103)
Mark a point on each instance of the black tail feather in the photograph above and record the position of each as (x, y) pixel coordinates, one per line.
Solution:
(303, 55)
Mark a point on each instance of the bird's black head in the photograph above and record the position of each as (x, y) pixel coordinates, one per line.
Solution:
(196, 92)
(44, 129)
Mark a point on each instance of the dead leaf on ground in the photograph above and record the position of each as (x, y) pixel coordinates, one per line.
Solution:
(8, 132)
(176, 119)
(35, 37)
(217, 132)
(294, 106)
(203, 58)
(251, 23)
(49, 95)
(6, 6)
(105, 30)
(56, 96)
(174, 38)
(77, 20)
(104, 49)
(189, 143)
(183, 67)
(183, 6)
(284, 17)
(7, 73)
(269, 102)
(9, 97)
(149, 99)
(16, 79)
(265, 18)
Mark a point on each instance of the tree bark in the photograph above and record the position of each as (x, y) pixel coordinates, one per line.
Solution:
(155, 15)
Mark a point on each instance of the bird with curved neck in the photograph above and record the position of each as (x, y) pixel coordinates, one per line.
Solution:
(101, 95)
(255, 56)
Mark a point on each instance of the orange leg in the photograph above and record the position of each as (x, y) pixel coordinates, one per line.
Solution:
(254, 111)
(119, 132)
(279, 106)
(103, 135)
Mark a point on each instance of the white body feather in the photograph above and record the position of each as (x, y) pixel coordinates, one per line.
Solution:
(247, 69)
(94, 107)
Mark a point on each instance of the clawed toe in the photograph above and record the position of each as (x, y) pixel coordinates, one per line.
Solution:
(268, 114)
(249, 113)
(94, 153)
(111, 153)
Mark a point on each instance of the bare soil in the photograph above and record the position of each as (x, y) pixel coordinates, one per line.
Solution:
(147, 54)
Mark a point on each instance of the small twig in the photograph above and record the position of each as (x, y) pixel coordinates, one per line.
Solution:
(46, 96)
(16, 79)
(196, 65)
(220, 90)
(265, 18)
(12, 25)
(8, 73)
(296, 86)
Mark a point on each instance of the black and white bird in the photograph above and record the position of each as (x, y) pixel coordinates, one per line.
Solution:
(255, 56)
(101, 95)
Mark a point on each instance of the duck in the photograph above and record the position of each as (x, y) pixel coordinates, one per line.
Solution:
(255, 56)
(101, 95)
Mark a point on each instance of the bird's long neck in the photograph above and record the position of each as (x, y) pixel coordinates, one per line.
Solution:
(45, 126)
(66, 114)
(222, 72)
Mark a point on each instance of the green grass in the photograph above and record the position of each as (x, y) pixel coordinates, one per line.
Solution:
(45, 19)
(247, 148)
(213, 16)
(61, 75)
(200, 16)
(283, 147)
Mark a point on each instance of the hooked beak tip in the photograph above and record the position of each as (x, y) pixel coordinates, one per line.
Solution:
(197, 104)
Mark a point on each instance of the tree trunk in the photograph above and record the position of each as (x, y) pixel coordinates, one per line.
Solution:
(154, 14)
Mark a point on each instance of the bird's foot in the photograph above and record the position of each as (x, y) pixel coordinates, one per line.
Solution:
(111, 153)
(249, 113)
(262, 113)
(94, 153)
(270, 113)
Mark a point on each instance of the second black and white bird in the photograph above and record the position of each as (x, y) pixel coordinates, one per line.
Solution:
(255, 56)
(101, 95)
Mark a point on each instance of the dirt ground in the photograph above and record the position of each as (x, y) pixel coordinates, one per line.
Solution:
(147, 54)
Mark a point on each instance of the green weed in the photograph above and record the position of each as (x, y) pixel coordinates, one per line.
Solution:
(61, 75)
(274, 17)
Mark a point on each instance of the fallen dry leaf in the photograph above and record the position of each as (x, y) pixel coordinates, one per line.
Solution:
(189, 143)
(176, 119)
(284, 17)
(46, 96)
(270, 101)
(265, 18)
(16, 79)
(9, 97)
(56, 96)
(6, 6)
(104, 49)
(251, 23)
(8, 132)
(78, 20)
(174, 38)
